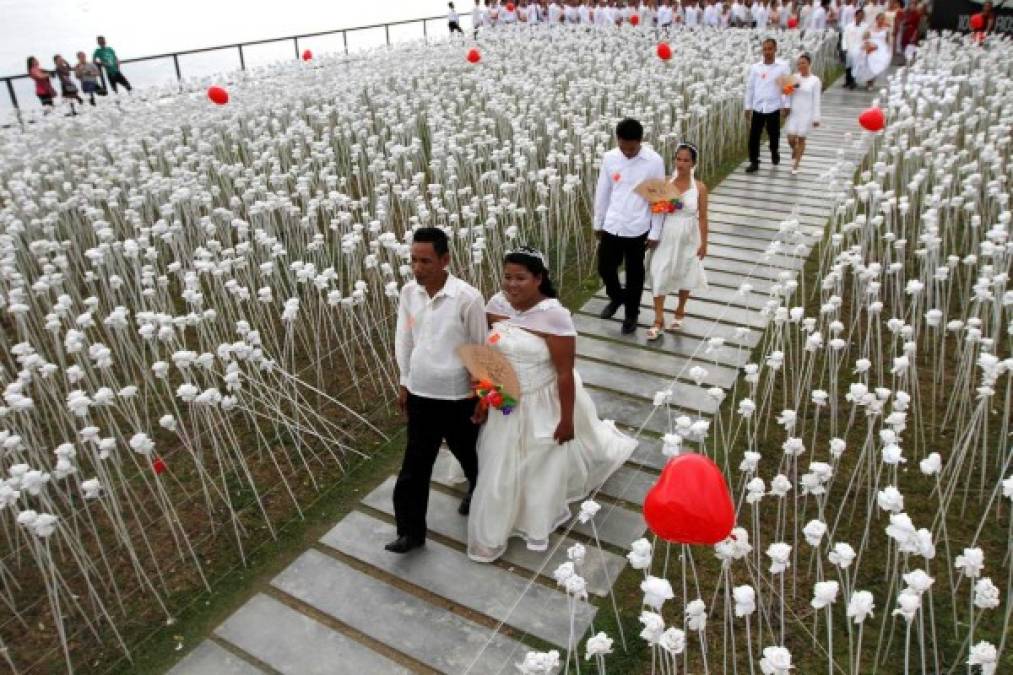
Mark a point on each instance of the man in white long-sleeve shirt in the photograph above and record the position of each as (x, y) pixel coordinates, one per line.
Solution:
(437, 314)
(690, 14)
(623, 221)
(712, 15)
(765, 104)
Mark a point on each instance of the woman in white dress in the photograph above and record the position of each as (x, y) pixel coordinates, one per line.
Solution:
(871, 57)
(552, 449)
(805, 109)
(677, 262)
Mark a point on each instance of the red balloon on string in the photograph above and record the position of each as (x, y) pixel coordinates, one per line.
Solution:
(218, 95)
(978, 21)
(474, 56)
(792, 22)
(307, 55)
(510, 6)
(872, 119)
(690, 503)
(635, 19)
(159, 466)
(664, 51)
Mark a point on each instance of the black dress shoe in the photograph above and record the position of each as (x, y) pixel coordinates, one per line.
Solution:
(611, 309)
(775, 159)
(629, 326)
(465, 506)
(404, 544)
(752, 168)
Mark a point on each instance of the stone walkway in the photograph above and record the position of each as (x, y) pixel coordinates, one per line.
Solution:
(347, 606)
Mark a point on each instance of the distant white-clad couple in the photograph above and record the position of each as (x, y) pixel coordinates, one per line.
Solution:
(524, 466)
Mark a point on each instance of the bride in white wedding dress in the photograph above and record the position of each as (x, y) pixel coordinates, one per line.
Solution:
(552, 449)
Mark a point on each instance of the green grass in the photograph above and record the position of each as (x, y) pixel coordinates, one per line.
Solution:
(197, 614)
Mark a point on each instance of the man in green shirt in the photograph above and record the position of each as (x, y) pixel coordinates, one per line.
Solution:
(106, 57)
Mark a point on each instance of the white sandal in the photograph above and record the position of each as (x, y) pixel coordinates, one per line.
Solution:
(654, 332)
(676, 324)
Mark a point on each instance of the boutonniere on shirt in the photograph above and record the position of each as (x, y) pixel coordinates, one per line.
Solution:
(616, 177)
(411, 321)
(493, 338)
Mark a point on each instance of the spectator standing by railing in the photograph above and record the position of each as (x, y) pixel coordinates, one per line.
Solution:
(88, 76)
(68, 90)
(106, 56)
(453, 20)
(43, 87)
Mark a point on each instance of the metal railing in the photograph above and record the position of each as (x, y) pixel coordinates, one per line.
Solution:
(238, 46)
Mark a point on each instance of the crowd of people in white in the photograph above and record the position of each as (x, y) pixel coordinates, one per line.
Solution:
(804, 14)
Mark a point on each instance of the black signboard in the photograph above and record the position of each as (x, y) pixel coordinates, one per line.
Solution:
(956, 14)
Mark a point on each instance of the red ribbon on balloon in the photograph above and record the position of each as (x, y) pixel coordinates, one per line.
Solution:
(664, 51)
(218, 95)
(690, 503)
(872, 119)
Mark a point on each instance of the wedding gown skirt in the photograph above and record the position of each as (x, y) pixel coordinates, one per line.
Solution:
(675, 265)
(526, 481)
(866, 67)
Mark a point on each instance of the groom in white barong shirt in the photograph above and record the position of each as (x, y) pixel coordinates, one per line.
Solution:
(437, 313)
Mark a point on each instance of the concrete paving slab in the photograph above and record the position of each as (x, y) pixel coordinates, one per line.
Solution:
(432, 635)
(691, 326)
(649, 360)
(442, 518)
(671, 343)
(643, 385)
(209, 658)
(293, 643)
(448, 573)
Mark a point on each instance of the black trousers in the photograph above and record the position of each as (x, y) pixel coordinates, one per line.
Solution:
(455, 27)
(430, 422)
(116, 79)
(614, 251)
(772, 123)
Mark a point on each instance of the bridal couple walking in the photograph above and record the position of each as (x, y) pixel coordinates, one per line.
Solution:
(525, 467)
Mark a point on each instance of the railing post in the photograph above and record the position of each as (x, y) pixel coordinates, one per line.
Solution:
(386, 30)
(179, 75)
(344, 38)
(10, 92)
(296, 41)
(242, 61)
(425, 31)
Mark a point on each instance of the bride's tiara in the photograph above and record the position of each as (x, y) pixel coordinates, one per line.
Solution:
(685, 144)
(530, 252)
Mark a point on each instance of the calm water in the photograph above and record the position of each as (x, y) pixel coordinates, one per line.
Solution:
(43, 28)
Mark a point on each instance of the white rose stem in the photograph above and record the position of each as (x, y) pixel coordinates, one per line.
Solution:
(608, 581)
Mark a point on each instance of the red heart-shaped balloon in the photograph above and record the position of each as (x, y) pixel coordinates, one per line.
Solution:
(664, 51)
(690, 503)
(474, 56)
(635, 19)
(872, 119)
(218, 95)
